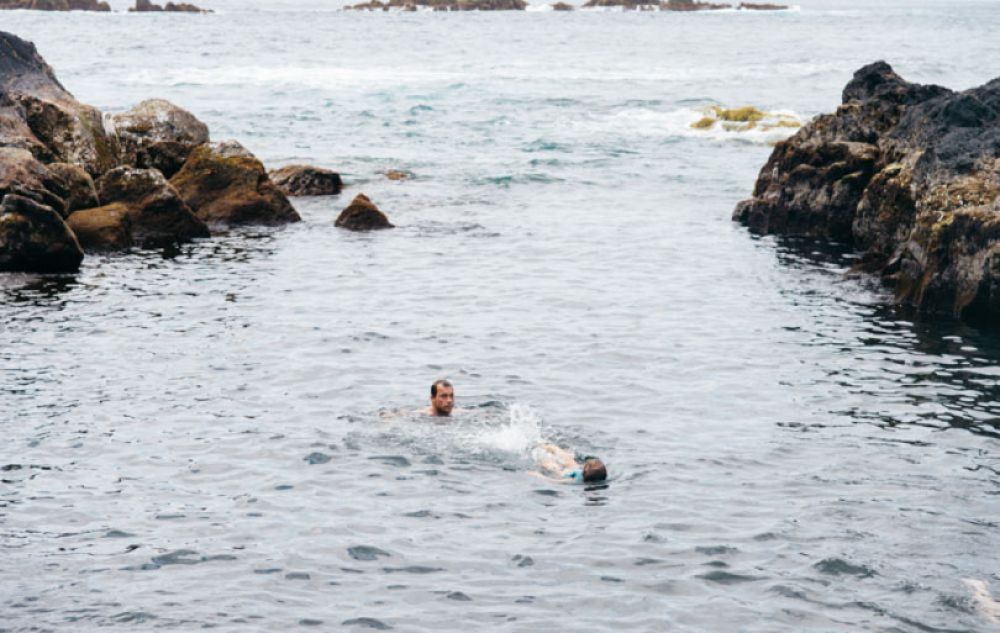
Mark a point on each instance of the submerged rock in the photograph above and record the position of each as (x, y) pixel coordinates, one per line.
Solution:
(306, 180)
(907, 173)
(362, 215)
(157, 134)
(34, 238)
(225, 184)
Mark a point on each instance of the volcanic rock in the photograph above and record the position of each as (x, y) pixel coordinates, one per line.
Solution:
(226, 184)
(362, 215)
(907, 173)
(34, 238)
(159, 135)
(157, 215)
(305, 180)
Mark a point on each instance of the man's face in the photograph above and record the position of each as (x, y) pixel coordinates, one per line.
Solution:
(444, 401)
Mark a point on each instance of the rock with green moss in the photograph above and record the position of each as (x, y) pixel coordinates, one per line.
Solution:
(34, 238)
(907, 173)
(226, 185)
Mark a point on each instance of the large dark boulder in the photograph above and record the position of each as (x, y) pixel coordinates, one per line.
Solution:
(907, 173)
(306, 180)
(34, 238)
(156, 134)
(22, 174)
(38, 114)
(157, 214)
(226, 185)
(107, 228)
(362, 215)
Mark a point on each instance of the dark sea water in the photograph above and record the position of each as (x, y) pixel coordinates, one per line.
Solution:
(220, 436)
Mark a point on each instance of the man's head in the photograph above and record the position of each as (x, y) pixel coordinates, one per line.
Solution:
(442, 398)
(594, 470)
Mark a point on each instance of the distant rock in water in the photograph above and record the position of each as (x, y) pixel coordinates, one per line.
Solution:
(362, 215)
(305, 180)
(743, 119)
(398, 174)
(143, 6)
(441, 5)
(907, 173)
(55, 5)
(562, 6)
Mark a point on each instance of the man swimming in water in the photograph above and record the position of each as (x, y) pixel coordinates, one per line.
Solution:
(558, 463)
(442, 399)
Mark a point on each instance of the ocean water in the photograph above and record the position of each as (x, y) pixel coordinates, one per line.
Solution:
(223, 436)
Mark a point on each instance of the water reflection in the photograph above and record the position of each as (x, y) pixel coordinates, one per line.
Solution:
(893, 367)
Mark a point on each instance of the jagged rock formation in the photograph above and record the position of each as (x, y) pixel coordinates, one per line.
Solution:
(907, 173)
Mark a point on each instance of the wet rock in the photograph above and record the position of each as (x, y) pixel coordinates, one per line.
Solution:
(22, 174)
(107, 228)
(159, 135)
(362, 215)
(562, 6)
(34, 238)
(70, 132)
(908, 174)
(305, 180)
(157, 214)
(77, 186)
(225, 184)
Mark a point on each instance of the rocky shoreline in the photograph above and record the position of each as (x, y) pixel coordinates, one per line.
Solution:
(73, 179)
(909, 174)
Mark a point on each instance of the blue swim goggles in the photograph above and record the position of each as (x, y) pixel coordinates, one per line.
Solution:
(576, 475)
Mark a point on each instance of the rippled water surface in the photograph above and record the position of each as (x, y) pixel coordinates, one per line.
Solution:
(222, 436)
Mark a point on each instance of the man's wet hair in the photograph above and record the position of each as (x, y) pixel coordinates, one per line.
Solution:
(594, 470)
(439, 383)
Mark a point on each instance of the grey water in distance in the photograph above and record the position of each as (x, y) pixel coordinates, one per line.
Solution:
(223, 436)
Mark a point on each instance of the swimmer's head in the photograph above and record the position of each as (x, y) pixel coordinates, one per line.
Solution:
(594, 470)
(442, 398)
